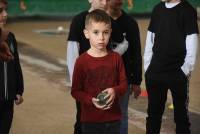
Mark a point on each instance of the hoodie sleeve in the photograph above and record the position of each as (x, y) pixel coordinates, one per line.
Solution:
(20, 84)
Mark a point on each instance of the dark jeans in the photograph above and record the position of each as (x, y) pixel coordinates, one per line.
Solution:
(6, 116)
(157, 96)
(77, 126)
(101, 128)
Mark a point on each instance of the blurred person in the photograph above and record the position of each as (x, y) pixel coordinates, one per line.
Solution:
(22, 5)
(11, 79)
(77, 44)
(132, 57)
(99, 70)
(169, 58)
(130, 4)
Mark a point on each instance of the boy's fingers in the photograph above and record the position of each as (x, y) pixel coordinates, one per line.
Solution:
(110, 102)
(106, 108)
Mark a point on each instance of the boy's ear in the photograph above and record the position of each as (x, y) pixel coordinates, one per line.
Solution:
(90, 1)
(86, 33)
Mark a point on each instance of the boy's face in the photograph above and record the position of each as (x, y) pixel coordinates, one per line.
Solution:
(3, 14)
(115, 4)
(99, 4)
(98, 34)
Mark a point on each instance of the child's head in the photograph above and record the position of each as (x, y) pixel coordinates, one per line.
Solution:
(115, 4)
(98, 4)
(3, 13)
(98, 28)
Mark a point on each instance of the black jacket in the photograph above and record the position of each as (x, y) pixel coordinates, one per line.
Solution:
(11, 79)
(132, 57)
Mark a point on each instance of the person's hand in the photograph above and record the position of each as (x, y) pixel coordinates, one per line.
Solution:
(19, 99)
(5, 53)
(111, 97)
(95, 102)
(136, 90)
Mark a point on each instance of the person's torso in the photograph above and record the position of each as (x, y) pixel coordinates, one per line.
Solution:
(169, 47)
(8, 79)
(100, 73)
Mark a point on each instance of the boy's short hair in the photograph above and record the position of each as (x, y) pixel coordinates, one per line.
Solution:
(4, 2)
(97, 15)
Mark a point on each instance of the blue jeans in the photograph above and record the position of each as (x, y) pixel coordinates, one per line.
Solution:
(124, 110)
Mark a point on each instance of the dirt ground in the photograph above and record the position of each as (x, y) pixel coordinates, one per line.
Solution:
(48, 107)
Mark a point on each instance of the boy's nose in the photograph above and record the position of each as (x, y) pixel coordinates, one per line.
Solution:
(101, 36)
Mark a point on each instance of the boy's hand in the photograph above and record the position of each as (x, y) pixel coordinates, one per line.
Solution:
(111, 97)
(95, 102)
(19, 99)
(5, 53)
(136, 90)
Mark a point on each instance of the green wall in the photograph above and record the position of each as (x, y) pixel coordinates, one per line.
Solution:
(72, 7)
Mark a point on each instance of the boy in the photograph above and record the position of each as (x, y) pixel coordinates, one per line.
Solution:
(169, 58)
(132, 58)
(11, 80)
(78, 44)
(99, 70)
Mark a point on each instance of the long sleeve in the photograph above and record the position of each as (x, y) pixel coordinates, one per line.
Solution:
(135, 57)
(122, 81)
(20, 81)
(148, 49)
(78, 91)
(72, 54)
(191, 55)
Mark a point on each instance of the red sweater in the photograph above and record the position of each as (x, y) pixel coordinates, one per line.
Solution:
(91, 76)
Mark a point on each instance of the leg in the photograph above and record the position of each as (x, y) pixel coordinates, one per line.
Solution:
(124, 109)
(157, 96)
(180, 101)
(6, 115)
(77, 126)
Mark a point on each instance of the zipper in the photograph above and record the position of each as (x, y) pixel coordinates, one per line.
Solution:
(5, 80)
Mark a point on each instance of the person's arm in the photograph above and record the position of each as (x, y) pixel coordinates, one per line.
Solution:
(191, 55)
(72, 54)
(191, 31)
(20, 81)
(122, 86)
(148, 49)
(78, 91)
(134, 54)
(134, 58)
(73, 43)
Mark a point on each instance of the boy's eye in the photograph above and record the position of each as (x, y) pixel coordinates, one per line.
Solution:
(106, 32)
(95, 32)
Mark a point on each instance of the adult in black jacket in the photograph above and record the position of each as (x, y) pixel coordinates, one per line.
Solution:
(11, 79)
